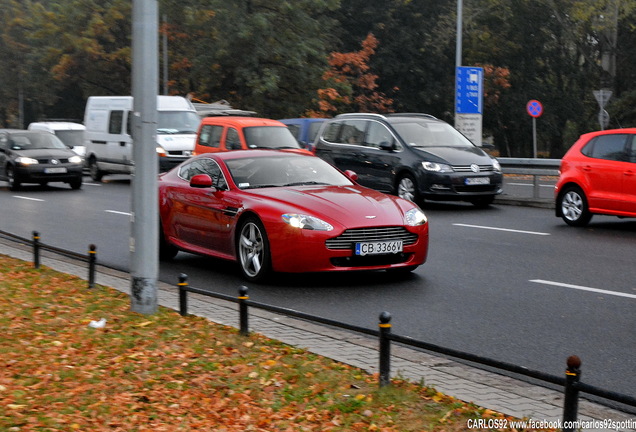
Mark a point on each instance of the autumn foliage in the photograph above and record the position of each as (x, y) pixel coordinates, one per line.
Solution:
(351, 86)
(170, 373)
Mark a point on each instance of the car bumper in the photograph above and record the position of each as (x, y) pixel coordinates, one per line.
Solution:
(459, 186)
(40, 173)
(308, 252)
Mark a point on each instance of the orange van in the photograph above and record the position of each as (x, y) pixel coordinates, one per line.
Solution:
(224, 133)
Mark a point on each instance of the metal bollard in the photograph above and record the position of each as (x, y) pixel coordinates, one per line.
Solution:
(571, 402)
(385, 349)
(92, 258)
(36, 249)
(243, 317)
(183, 294)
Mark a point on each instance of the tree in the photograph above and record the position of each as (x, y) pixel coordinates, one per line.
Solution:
(350, 84)
(261, 55)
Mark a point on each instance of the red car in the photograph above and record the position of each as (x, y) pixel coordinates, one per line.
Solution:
(286, 212)
(598, 176)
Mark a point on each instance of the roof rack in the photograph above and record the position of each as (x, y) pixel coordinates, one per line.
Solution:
(383, 116)
(412, 115)
(360, 114)
(220, 108)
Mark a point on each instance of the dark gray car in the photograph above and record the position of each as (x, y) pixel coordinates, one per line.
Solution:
(415, 156)
(37, 157)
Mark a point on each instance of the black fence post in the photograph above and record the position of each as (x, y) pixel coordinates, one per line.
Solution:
(385, 349)
(183, 294)
(571, 402)
(92, 257)
(243, 317)
(36, 249)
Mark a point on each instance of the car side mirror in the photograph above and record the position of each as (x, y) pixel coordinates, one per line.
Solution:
(352, 175)
(201, 181)
(387, 146)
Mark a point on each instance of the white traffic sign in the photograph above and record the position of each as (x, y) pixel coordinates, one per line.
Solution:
(602, 97)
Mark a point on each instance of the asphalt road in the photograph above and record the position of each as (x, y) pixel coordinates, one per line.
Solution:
(511, 283)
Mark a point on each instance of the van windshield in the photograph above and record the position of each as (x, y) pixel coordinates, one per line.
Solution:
(177, 122)
(431, 134)
(72, 138)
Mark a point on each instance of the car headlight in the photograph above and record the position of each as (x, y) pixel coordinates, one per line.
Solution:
(306, 222)
(437, 167)
(75, 159)
(161, 152)
(415, 217)
(26, 160)
(496, 165)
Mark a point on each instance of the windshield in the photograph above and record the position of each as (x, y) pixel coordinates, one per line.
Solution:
(178, 122)
(274, 137)
(35, 141)
(431, 134)
(71, 138)
(284, 170)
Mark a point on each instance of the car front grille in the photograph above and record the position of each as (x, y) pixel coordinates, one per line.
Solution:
(48, 160)
(467, 168)
(350, 237)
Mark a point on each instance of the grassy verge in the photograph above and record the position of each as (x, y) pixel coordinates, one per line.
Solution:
(170, 373)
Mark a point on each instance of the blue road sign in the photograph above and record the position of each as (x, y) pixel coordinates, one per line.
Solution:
(469, 90)
(534, 108)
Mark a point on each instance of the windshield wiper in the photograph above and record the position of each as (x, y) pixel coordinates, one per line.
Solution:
(262, 186)
(306, 183)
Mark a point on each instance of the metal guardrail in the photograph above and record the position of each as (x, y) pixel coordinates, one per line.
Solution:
(537, 168)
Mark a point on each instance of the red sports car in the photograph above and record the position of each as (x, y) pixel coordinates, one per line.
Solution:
(286, 212)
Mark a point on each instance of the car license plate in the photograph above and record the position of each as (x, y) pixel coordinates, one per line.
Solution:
(379, 248)
(57, 170)
(477, 181)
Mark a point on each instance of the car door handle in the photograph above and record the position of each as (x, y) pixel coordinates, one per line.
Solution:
(587, 168)
(122, 143)
(629, 173)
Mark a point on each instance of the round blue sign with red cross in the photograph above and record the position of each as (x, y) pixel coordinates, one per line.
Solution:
(534, 108)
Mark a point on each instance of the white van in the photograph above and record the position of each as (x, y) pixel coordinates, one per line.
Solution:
(108, 133)
(70, 133)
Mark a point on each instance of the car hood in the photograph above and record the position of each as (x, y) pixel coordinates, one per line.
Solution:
(351, 206)
(45, 153)
(177, 142)
(454, 155)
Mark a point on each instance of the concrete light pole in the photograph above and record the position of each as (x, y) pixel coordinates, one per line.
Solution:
(144, 242)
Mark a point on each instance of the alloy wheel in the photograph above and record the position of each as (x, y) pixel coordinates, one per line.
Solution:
(406, 189)
(573, 206)
(253, 250)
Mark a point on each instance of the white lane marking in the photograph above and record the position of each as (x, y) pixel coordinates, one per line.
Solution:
(118, 212)
(27, 198)
(503, 229)
(582, 288)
